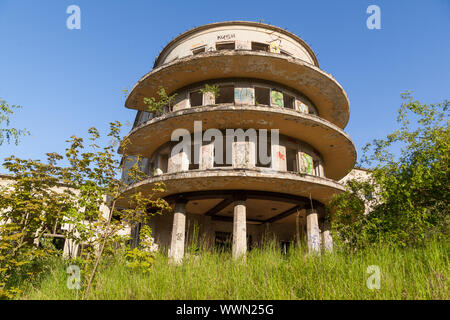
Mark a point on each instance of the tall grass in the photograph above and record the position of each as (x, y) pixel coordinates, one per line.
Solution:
(267, 273)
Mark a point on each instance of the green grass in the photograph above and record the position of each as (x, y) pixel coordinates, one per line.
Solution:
(411, 273)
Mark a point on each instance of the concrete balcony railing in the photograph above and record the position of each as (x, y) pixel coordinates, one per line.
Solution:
(319, 90)
(255, 179)
(334, 148)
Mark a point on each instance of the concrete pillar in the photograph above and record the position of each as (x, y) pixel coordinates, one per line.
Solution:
(207, 156)
(176, 251)
(239, 229)
(208, 98)
(240, 156)
(327, 239)
(312, 230)
(279, 157)
(178, 162)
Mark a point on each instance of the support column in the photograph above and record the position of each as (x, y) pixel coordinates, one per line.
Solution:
(327, 239)
(312, 230)
(207, 156)
(176, 252)
(239, 229)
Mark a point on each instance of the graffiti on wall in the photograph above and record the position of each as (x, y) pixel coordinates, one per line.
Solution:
(306, 163)
(274, 47)
(276, 98)
(301, 106)
(226, 36)
(243, 96)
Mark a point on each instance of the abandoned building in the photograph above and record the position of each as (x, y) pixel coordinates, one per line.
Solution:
(264, 78)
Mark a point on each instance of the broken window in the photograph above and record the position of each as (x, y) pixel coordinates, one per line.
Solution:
(223, 240)
(317, 168)
(163, 162)
(258, 46)
(262, 96)
(199, 50)
(288, 101)
(225, 46)
(267, 153)
(196, 98)
(192, 163)
(226, 94)
(291, 160)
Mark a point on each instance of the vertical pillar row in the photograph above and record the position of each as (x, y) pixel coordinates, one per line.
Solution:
(312, 230)
(239, 229)
(176, 252)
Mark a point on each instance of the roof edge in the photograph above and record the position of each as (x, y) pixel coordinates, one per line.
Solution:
(238, 22)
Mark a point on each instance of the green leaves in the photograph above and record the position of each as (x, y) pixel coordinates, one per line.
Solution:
(8, 134)
(411, 188)
(157, 105)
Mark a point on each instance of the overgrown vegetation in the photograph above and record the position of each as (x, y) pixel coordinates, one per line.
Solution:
(406, 273)
(214, 90)
(74, 196)
(158, 104)
(407, 195)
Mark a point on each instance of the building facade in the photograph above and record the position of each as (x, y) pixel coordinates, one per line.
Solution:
(268, 146)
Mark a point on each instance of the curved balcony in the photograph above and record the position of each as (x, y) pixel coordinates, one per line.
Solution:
(319, 188)
(333, 144)
(320, 88)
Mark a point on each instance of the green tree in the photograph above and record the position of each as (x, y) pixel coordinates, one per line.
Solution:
(408, 193)
(157, 105)
(76, 193)
(8, 134)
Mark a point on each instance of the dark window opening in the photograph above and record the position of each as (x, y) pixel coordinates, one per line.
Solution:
(223, 162)
(316, 168)
(257, 46)
(291, 160)
(262, 96)
(268, 153)
(223, 240)
(58, 243)
(225, 46)
(199, 50)
(196, 98)
(288, 101)
(285, 53)
(226, 94)
(285, 246)
(163, 162)
(192, 164)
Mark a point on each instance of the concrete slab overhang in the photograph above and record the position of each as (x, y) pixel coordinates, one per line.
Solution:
(320, 189)
(321, 88)
(334, 145)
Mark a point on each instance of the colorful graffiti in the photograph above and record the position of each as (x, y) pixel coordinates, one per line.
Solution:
(243, 96)
(274, 47)
(301, 106)
(277, 98)
(306, 163)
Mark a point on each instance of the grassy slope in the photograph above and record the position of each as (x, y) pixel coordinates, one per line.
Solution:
(420, 273)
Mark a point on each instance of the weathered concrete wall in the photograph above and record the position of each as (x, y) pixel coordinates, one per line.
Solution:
(243, 36)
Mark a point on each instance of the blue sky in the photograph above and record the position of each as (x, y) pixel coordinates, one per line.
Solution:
(70, 80)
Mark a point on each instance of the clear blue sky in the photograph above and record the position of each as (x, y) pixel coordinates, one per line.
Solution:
(70, 80)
